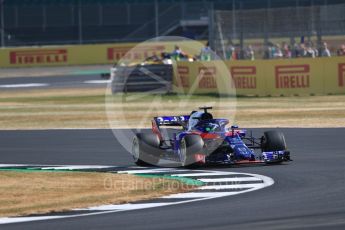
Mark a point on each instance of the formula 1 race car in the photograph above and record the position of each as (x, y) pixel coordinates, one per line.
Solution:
(202, 140)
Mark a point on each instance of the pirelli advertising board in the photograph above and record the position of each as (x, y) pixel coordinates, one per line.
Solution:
(49, 56)
(81, 54)
(203, 77)
(305, 76)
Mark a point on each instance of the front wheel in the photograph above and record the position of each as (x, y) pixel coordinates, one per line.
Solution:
(273, 141)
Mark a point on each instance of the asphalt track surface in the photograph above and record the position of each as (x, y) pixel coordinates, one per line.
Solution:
(309, 193)
(66, 81)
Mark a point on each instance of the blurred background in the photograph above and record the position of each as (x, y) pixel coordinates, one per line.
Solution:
(236, 29)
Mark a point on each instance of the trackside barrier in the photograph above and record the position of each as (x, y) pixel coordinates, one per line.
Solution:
(302, 76)
(150, 78)
(84, 54)
(305, 76)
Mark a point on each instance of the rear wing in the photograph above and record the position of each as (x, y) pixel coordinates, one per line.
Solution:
(171, 120)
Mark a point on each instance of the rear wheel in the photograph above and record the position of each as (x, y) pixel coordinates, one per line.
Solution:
(189, 146)
(145, 149)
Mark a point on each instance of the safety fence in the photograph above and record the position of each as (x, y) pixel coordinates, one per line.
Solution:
(304, 76)
(47, 22)
(278, 32)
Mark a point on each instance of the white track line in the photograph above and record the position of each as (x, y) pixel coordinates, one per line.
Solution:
(123, 207)
(11, 165)
(204, 174)
(199, 195)
(56, 166)
(233, 179)
(74, 167)
(158, 170)
(232, 186)
(27, 219)
(24, 85)
(97, 82)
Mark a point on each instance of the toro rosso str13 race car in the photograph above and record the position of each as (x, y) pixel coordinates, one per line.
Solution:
(201, 140)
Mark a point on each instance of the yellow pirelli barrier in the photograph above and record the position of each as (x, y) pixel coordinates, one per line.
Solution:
(86, 54)
(203, 78)
(52, 56)
(334, 76)
(294, 77)
(305, 76)
(248, 77)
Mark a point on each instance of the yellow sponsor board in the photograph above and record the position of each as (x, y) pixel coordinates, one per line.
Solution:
(203, 78)
(305, 76)
(294, 77)
(88, 54)
(248, 77)
(334, 75)
(52, 56)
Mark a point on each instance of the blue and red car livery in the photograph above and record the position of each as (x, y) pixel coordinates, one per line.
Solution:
(199, 139)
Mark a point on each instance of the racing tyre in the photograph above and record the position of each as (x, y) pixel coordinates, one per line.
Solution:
(145, 149)
(273, 141)
(189, 146)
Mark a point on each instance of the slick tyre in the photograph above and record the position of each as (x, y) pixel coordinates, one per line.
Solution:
(273, 141)
(145, 149)
(189, 146)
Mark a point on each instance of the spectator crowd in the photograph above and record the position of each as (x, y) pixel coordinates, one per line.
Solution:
(234, 52)
(280, 51)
